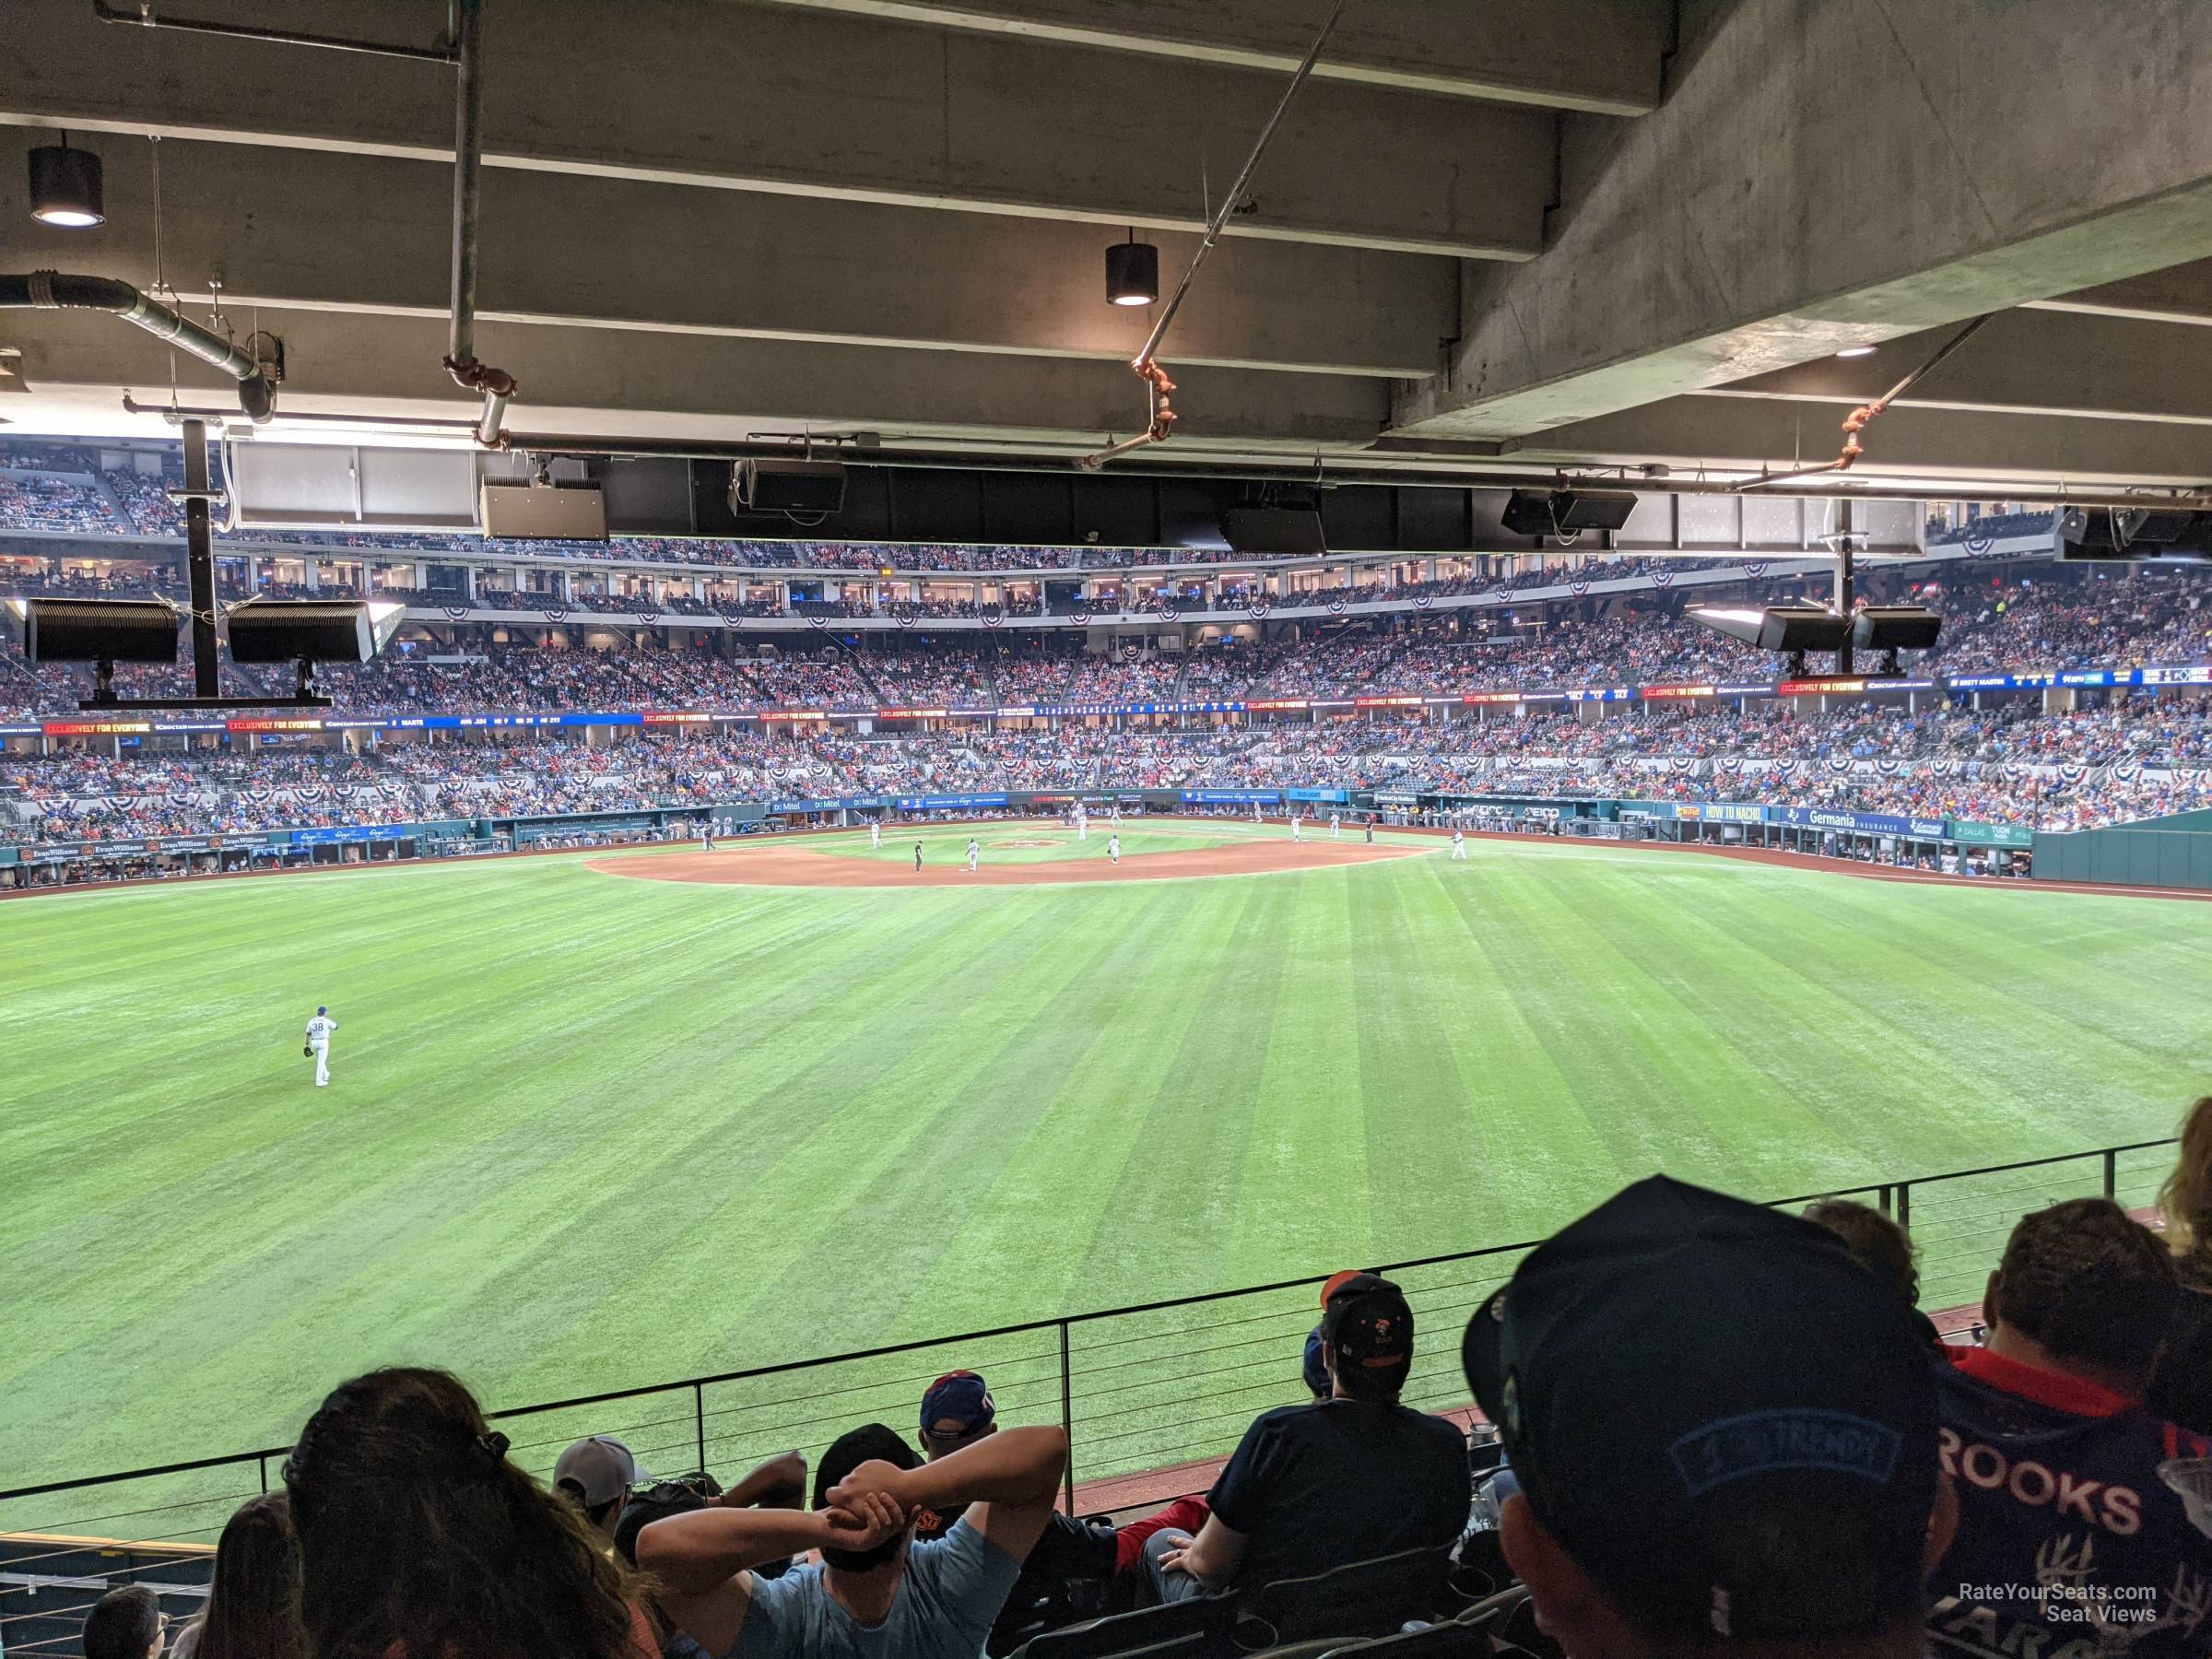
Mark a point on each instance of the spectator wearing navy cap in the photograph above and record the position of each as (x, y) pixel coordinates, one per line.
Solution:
(1724, 1433)
(1315, 1487)
(2068, 1531)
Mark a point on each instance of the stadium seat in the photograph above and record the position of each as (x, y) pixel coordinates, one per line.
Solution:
(1480, 1570)
(1201, 1625)
(1361, 1599)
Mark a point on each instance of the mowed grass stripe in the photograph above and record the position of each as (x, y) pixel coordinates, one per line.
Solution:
(589, 1132)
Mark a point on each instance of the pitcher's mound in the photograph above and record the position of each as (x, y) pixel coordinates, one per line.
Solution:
(796, 866)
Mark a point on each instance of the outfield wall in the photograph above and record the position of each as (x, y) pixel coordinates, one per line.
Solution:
(2158, 852)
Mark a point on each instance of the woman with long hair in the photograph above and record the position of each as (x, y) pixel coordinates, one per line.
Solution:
(2180, 1387)
(253, 1605)
(418, 1539)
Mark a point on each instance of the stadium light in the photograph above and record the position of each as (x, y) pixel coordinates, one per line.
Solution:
(2133, 534)
(97, 631)
(1132, 272)
(306, 631)
(1856, 351)
(1891, 628)
(65, 187)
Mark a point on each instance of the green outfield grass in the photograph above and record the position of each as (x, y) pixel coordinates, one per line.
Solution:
(588, 1132)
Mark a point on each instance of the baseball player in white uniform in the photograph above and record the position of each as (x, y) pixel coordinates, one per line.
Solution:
(1114, 815)
(1297, 819)
(1113, 849)
(975, 851)
(1459, 844)
(1336, 824)
(874, 835)
(1082, 823)
(318, 1044)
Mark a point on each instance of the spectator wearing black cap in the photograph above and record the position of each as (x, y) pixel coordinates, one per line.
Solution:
(2068, 1532)
(125, 1624)
(876, 1591)
(1724, 1434)
(1314, 1487)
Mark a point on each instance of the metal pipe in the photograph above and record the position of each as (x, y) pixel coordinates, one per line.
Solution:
(495, 411)
(199, 562)
(144, 18)
(1236, 191)
(468, 150)
(1161, 414)
(55, 290)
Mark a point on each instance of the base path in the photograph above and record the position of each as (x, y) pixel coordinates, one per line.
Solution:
(796, 866)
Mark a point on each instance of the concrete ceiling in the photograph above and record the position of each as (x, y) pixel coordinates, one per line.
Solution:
(1521, 235)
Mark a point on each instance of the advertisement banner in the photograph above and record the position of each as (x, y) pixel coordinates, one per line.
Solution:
(1229, 797)
(1989, 835)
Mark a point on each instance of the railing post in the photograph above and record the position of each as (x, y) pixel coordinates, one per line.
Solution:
(1883, 1202)
(1904, 1204)
(699, 1423)
(2111, 1173)
(264, 1461)
(1067, 1417)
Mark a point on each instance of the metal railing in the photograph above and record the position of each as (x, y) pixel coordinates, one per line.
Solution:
(1142, 1390)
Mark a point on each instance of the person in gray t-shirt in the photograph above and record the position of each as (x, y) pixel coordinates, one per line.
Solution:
(876, 1591)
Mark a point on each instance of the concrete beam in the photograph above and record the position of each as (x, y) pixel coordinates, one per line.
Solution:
(773, 100)
(2031, 362)
(293, 228)
(2182, 293)
(1832, 173)
(1938, 447)
(623, 383)
(1598, 56)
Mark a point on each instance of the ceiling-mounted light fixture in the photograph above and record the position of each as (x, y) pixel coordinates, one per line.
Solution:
(1850, 351)
(65, 187)
(1132, 272)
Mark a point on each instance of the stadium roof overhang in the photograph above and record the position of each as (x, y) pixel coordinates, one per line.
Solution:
(1545, 234)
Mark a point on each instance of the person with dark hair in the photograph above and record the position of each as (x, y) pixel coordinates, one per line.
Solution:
(876, 1591)
(1879, 1245)
(2180, 1387)
(125, 1624)
(1724, 1434)
(418, 1539)
(1315, 1487)
(2065, 1525)
(254, 1602)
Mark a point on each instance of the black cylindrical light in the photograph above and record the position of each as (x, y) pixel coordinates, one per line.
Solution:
(65, 187)
(1132, 272)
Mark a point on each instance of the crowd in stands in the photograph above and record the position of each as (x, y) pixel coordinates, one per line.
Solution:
(1689, 1425)
(2005, 765)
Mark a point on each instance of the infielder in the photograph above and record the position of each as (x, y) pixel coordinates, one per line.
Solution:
(1297, 819)
(1336, 824)
(1459, 844)
(974, 852)
(874, 835)
(917, 858)
(706, 835)
(1082, 823)
(318, 1045)
(1114, 815)
(1113, 849)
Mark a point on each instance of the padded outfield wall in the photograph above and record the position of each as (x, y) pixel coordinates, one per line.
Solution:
(2173, 852)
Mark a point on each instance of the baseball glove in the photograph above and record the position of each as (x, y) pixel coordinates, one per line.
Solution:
(307, 1051)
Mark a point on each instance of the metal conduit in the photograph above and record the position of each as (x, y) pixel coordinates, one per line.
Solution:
(56, 290)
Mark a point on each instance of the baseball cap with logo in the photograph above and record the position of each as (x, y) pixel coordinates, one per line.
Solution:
(957, 1405)
(1726, 1422)
(602, 1467)
(1367, 1320)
